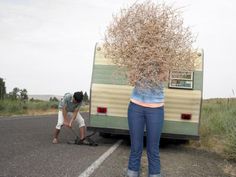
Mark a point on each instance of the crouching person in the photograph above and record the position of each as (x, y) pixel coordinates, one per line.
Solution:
(69, 113)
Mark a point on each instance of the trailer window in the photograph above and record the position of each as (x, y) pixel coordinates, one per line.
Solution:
(181, 79)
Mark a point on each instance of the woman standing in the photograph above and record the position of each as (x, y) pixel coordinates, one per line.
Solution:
(147, 41)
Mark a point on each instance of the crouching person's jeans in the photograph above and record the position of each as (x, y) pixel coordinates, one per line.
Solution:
(138, 117)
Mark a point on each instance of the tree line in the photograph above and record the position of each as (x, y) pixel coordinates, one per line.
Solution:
(85, 98)
(15, 94)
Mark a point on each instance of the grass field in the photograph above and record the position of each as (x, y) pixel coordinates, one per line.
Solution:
(17, 107)
(36, 107)
(218, 127)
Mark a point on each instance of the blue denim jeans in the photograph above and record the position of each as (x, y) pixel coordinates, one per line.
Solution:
(138, 118)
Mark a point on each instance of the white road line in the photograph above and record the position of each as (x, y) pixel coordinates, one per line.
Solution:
(99, 161)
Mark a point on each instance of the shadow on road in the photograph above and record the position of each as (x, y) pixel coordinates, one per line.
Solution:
(164, 143)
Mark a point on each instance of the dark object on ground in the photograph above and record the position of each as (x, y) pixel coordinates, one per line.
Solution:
(86, 141)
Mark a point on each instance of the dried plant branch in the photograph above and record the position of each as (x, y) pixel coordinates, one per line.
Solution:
(149, 40)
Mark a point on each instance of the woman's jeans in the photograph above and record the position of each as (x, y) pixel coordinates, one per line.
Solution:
(138, 117)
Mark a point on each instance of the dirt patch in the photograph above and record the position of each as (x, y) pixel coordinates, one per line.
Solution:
(213, 145)
(179, 160)
(230, 169)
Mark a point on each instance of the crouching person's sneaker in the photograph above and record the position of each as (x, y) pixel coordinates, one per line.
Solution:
(55, 141)
(84, 142)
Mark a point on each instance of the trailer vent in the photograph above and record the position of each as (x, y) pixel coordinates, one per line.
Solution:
(102, 110)
(186, 116)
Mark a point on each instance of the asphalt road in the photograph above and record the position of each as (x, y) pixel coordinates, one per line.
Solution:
(26, 151)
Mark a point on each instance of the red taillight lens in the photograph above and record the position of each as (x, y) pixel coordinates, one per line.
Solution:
(186, 116)
(101, 110)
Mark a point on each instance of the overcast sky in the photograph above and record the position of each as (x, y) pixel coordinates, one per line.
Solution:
(47, 46)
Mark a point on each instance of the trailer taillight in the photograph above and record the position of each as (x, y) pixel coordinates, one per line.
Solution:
(186, 116)
(102, 110)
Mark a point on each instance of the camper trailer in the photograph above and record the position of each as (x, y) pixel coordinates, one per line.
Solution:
(110, 96)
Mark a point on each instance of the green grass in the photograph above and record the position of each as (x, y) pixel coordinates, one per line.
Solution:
(17, 107)
(218, 126)
(8, 106)
(84, 108)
